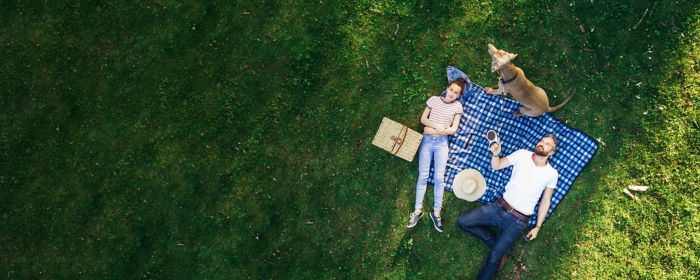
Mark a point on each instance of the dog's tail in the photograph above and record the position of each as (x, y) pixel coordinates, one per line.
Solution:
(552, 109)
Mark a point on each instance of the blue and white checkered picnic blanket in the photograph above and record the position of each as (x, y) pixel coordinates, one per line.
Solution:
(469, 147)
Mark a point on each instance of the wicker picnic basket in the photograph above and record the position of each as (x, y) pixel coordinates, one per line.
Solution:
(397, 139)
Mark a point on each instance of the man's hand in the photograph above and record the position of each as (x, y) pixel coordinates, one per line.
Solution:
(532, 234)
(495, 149)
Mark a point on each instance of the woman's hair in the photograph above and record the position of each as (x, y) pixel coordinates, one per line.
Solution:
(460, 82)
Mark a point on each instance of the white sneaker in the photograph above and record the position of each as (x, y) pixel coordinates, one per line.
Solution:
(413, 219)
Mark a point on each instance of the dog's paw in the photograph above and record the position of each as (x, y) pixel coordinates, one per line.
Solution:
(517, 113)
(488, 90)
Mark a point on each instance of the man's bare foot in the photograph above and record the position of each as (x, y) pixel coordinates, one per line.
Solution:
(502, 263)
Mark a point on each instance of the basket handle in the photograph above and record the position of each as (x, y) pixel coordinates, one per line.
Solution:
(399, 140)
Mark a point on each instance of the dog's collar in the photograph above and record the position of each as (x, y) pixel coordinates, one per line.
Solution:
(509, 80)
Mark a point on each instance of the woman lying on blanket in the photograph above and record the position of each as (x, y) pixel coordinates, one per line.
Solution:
(441, 118)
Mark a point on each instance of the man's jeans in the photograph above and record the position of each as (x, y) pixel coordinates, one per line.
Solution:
(509, 228)
(432, 147)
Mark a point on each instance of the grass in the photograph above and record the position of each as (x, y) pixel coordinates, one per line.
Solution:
(232, 140)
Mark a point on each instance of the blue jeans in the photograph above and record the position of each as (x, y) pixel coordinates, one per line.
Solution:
(508, 227)
(432, 148)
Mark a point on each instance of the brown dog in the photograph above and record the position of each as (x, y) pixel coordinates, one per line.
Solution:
(512, 80)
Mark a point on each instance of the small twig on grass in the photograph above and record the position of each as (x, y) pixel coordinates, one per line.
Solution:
(397, 29)
(644, 15)
(580, 25)
(638, 188)
(628, 193)
(600, 141)
(640, 20)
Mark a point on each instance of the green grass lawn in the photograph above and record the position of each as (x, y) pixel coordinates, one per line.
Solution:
(204, 140)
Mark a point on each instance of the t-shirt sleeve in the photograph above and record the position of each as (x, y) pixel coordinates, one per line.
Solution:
(516, 156)
(458, 109)
(430, 102)
(554, 179)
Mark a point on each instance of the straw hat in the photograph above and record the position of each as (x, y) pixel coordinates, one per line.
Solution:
(469, 185)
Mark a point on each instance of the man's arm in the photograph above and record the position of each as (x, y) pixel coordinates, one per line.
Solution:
(498, 162)
(541, 212)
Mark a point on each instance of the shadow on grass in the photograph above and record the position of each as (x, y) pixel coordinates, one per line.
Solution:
(404, 256)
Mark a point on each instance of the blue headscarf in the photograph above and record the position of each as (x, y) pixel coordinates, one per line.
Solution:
(452, 74)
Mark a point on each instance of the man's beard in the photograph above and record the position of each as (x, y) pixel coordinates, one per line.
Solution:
(539, 150)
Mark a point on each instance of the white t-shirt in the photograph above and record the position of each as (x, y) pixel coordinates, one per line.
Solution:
(527, 182)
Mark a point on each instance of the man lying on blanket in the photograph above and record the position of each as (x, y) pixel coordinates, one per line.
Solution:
(532, 177)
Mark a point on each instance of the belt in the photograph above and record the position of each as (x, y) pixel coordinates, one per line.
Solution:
(512, 211)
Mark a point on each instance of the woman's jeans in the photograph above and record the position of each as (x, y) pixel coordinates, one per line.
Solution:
(508, 227)
(432, 148)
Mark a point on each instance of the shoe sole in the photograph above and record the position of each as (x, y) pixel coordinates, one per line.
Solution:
(434, 224)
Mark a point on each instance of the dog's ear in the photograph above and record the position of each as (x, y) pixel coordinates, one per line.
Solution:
(512, 56)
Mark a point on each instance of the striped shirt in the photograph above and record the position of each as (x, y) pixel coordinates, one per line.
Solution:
(441, 112)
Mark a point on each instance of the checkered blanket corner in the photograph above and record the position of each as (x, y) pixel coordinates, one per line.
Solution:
(483, 112)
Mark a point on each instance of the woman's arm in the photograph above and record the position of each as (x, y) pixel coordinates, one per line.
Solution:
(455, 124)
(425, 121)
